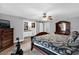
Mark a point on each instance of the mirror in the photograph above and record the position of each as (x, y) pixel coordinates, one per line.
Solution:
(63, 27)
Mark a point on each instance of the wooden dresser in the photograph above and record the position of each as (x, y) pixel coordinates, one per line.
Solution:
(6, 38)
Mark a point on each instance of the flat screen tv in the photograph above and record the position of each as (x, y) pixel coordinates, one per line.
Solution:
(4, 23)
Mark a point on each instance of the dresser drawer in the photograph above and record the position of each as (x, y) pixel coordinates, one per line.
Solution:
(7, 43)
(6, 38)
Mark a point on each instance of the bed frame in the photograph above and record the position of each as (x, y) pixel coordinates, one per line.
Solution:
(41, 33)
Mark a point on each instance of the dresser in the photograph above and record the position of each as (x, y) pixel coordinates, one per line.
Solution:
(6, 38)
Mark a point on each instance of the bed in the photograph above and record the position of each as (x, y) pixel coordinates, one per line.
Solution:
(51, 44)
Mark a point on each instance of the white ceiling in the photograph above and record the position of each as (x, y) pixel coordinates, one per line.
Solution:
(35, 10)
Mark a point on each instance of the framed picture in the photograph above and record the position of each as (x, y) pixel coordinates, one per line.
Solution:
(33, 25)
(25, 26)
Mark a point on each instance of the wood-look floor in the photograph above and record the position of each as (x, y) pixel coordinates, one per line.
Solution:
(25, 50)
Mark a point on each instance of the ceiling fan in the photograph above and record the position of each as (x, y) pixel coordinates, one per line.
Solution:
(46, 18)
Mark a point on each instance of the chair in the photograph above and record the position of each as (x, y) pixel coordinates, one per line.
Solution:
(73, 41)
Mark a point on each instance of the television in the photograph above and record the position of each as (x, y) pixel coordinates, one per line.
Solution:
(4, 23)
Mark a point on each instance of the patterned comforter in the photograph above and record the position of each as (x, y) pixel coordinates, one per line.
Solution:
(54, 43)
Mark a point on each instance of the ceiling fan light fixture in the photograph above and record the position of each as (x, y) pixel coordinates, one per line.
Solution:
(46, 18)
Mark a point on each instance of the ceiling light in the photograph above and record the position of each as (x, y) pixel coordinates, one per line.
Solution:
(46, 18)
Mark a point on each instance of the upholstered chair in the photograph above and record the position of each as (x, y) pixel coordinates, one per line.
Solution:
(73, 40)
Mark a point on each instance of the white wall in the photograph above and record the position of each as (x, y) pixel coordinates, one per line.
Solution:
(18, 29)
(75, 24)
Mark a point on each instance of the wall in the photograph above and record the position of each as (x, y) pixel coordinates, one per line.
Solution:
(18, 28)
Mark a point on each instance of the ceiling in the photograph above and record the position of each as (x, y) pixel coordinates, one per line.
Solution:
(35, 10)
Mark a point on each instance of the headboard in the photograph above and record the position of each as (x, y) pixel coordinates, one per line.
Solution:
(41, 33)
